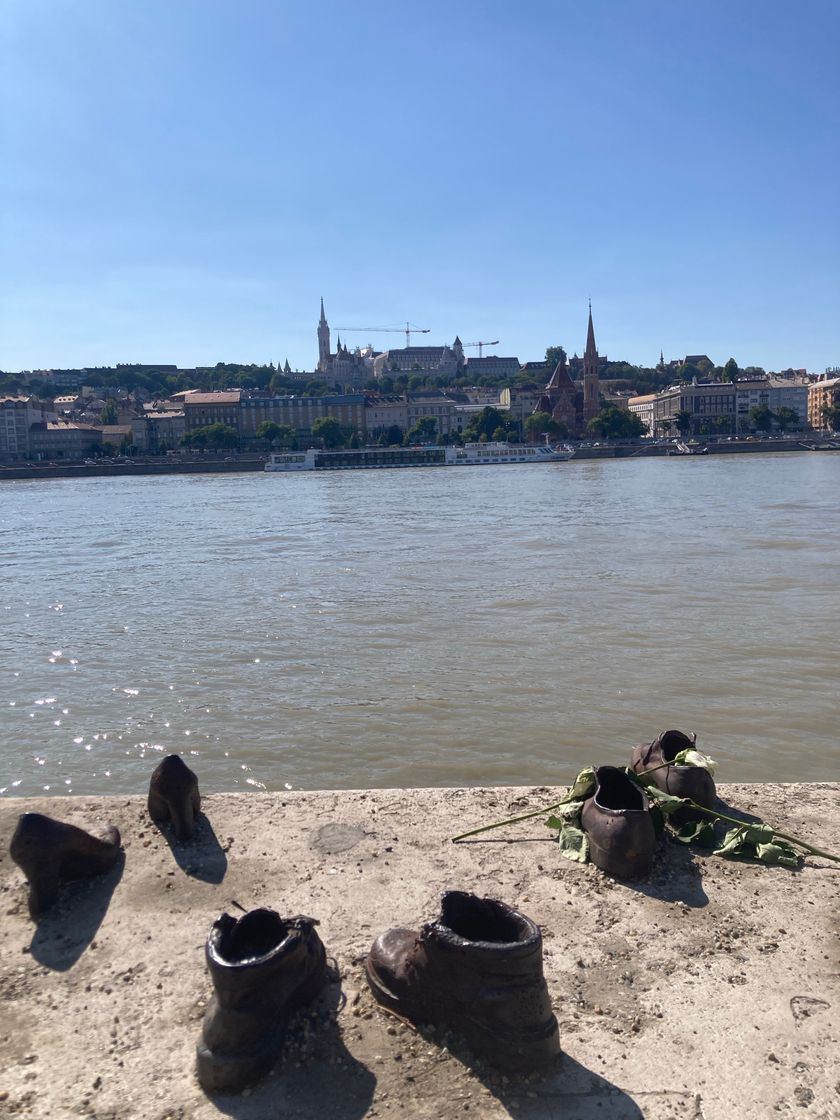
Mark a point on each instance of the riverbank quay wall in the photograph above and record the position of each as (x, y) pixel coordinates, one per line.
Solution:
(708, 991)
(236, 466)
(115, 470)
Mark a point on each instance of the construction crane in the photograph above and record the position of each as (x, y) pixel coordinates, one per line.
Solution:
(407, 330)
(481, 346)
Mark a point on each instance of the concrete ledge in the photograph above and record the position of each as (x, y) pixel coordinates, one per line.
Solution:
(711, 991)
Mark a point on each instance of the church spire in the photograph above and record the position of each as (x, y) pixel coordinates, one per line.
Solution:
(323, 341)
(591, 364)
(590, 336)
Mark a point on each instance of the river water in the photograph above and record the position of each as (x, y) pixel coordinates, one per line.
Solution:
(468, 626)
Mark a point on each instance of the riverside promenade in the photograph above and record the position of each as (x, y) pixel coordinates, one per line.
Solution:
(708, 992)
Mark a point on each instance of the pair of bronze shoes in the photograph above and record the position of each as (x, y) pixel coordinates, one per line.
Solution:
(617, 818)
(49, 852)
(477, 971)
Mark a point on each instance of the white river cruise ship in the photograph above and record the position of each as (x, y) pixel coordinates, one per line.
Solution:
(470, 455)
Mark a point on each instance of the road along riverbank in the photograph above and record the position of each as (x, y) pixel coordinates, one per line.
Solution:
(709, 991)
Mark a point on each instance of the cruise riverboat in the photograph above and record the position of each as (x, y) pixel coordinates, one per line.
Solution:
(470, 455)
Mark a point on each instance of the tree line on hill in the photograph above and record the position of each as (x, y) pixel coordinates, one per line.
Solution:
(161, 383)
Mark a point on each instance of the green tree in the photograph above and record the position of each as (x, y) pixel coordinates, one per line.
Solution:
(276, 434)
(616, 423)
(553, 355)
(212, 435)
(487, 422)
(761, 418)
(392, 436)
(730, 371)
(786, 417)
(690, 372)
(355, 443)
(541, 424)
(682, 421)
(109, 413)
(222, 435)
(328, 430)
(422, 432)
(831, 414)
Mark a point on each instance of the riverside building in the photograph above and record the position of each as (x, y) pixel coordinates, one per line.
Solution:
(823, 394)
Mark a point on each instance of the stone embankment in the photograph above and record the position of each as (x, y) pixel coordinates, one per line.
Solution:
(709, 991)
(238, 464)
(119, 468)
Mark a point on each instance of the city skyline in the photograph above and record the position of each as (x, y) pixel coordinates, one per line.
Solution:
(181, 183)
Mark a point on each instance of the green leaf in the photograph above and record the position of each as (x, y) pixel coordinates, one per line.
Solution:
(573, 843)
(583, 786)
(739, 841)
(658, 818)
(696, 832)
(571, 837)
(758, 841)
(666, 801)
(569, 812)
(779, 851)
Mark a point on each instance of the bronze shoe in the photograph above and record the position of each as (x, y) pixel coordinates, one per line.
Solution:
(263, 969)
(48, 851)
(174, 796)
(618, 824)
(679, 781)
(478, 971)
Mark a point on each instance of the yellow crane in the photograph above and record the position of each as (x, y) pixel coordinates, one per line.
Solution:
(407, 330)
(481, 345)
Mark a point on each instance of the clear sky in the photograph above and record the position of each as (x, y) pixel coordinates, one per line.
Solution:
(182, 180)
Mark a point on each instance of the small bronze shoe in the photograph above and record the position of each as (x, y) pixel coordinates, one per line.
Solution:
(679, 781)
(174, 796)
(618, 824)
(477, 970)
(263, 968)
(49, 851)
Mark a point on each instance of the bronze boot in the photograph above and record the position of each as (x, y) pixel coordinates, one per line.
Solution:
(173, 795)
(679, 781)
(263, 968)
(619, 826)
(478, 971)
(48, 851)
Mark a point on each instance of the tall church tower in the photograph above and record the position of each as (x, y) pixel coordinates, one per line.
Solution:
(591, 397)
(323, 341)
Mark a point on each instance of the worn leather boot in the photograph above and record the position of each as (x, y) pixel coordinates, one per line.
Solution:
(619, 826)
(48, 851)
(477, 970)
(679, 781)
(263, 968)
(173, 795)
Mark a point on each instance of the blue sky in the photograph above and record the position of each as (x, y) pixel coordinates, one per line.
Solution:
(181, 180)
